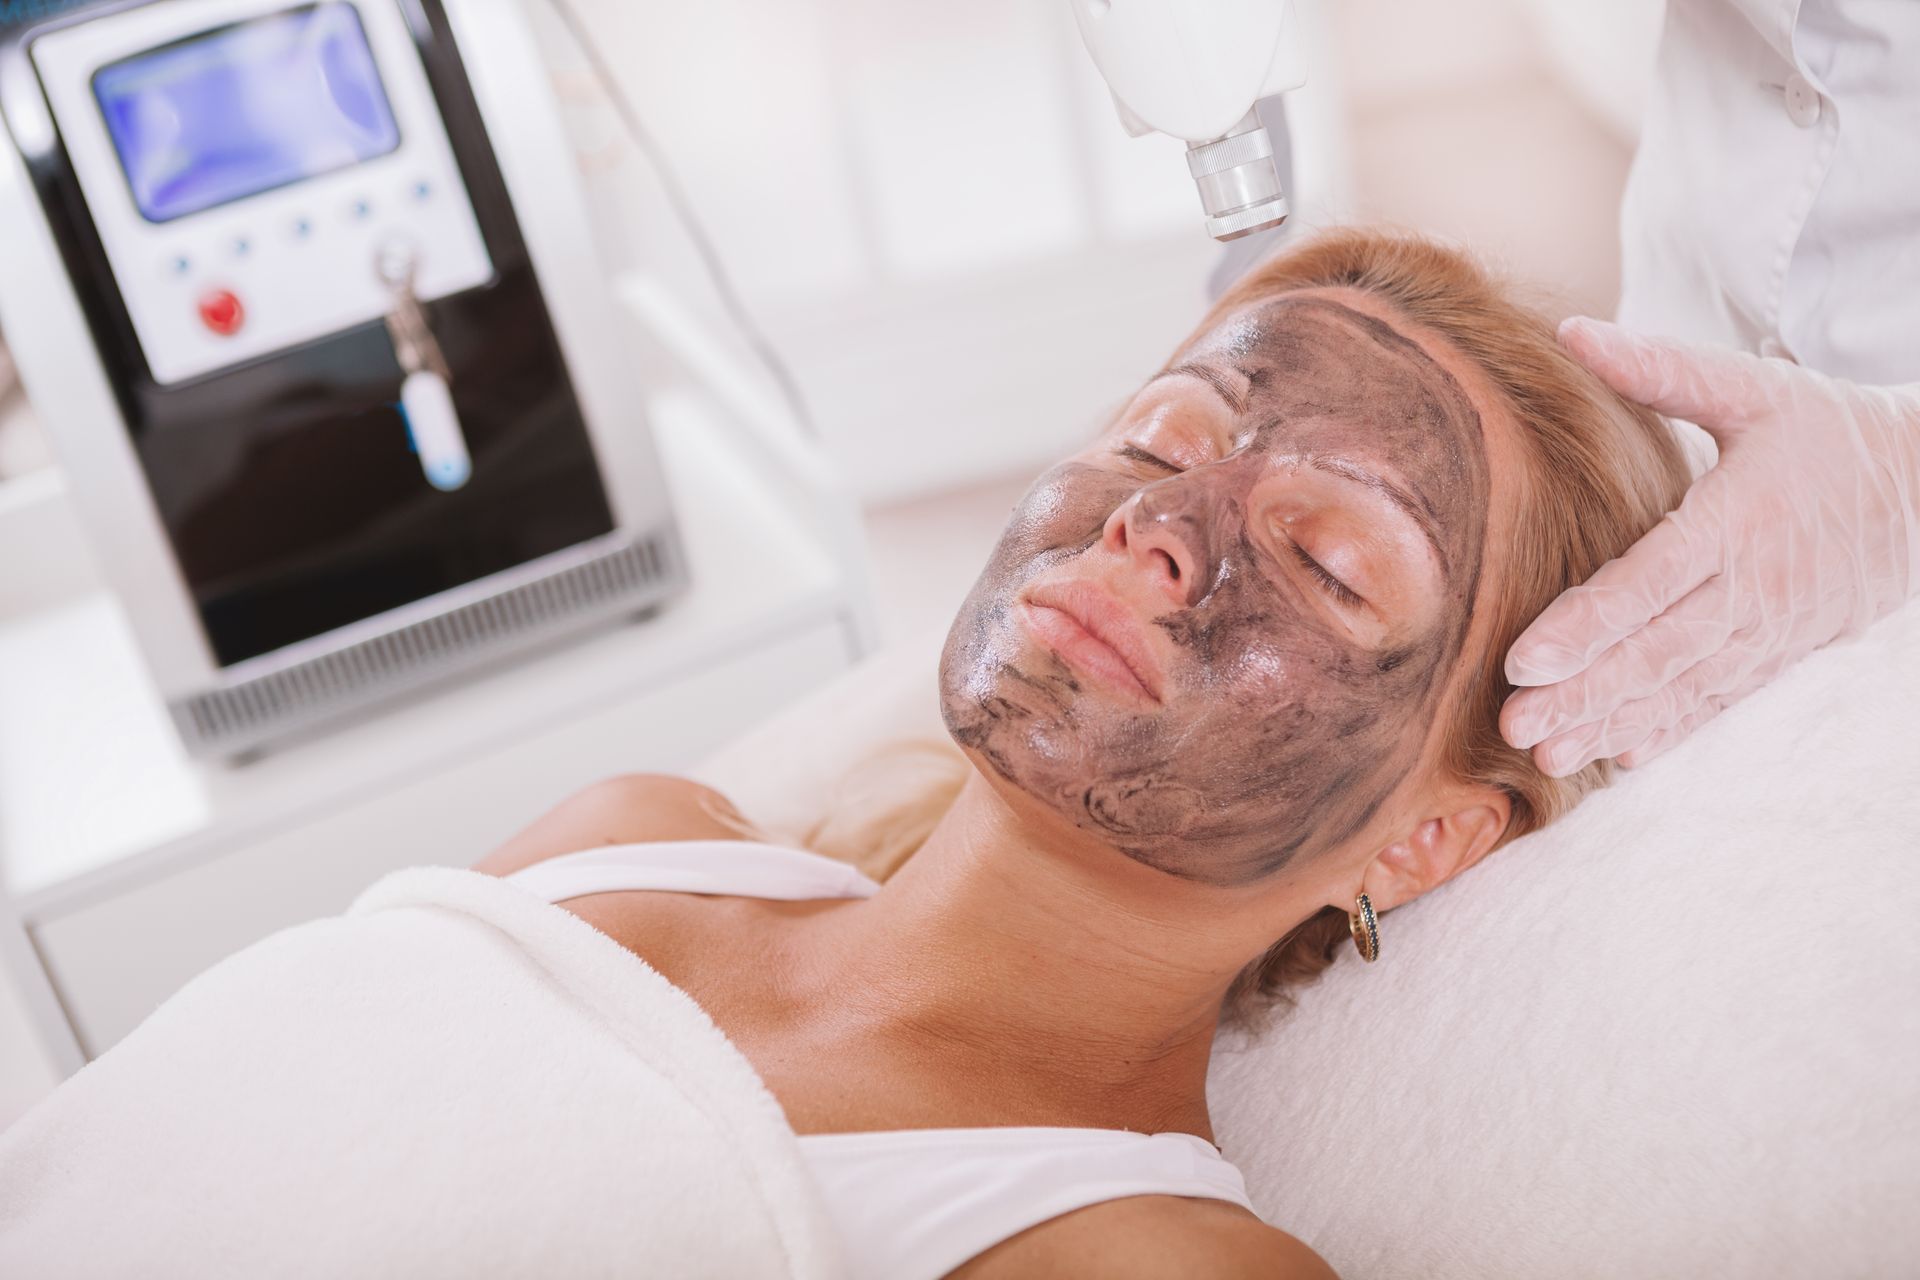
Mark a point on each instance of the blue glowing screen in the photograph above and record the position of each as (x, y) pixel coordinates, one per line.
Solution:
(245, 109)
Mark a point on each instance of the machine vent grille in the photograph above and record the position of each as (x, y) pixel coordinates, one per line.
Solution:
(246, 714)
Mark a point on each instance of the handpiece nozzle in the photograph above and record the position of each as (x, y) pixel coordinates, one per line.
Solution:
(1239, 184)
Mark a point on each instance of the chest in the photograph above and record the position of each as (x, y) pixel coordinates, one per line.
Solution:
(732, 956)
(729, 955)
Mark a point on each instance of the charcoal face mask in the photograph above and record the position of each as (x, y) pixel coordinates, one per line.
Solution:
(1278, 734)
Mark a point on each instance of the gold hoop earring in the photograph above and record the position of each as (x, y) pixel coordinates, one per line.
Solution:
(1365, 929)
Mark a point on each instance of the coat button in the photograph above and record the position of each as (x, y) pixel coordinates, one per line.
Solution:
(1803, 102)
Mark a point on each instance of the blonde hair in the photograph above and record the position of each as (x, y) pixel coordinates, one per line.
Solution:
(1601, 473)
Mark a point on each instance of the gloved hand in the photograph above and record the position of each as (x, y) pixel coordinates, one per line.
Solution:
(1807, 529)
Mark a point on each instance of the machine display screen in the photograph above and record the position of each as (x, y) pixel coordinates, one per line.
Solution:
(245, 109)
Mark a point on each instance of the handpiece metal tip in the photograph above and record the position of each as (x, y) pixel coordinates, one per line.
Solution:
(1238, 182)
(1247, 221)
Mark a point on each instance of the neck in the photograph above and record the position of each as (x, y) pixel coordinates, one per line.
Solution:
(1024, 950)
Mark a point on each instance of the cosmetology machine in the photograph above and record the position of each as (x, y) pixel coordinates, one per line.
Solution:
(304, 294)
(1193, 69)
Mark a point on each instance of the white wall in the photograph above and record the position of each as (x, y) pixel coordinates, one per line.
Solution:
(967, 262)
(932, 208)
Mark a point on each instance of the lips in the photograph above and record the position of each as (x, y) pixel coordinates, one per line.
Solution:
(1091, 628)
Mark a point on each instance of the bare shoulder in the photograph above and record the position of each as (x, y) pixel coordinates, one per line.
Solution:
(1152, 1238)
(627, 808)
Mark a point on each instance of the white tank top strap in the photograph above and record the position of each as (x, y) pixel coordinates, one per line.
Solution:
(913, 1204)
(737, 868)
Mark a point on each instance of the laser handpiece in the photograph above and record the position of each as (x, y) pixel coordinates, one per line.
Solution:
(1193, 69)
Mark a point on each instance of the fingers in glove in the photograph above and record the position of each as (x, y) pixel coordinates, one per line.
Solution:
(1571, 751)
(1626, 594)
(1694, 629)
(1633, 723)
(1718, 388)
(1660, 743)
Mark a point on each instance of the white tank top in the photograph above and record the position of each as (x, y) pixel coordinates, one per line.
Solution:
(910, 1204)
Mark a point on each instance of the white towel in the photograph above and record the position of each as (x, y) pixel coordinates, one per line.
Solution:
(452, 1079)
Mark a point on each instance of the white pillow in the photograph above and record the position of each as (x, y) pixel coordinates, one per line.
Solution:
(1675, 1034)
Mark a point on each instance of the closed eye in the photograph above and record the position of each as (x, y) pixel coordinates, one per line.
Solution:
(1337, 589)
(1141, 455)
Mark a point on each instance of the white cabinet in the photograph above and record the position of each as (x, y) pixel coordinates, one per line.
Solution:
(112, 962)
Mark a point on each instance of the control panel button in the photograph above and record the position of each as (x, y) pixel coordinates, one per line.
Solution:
(221, 312)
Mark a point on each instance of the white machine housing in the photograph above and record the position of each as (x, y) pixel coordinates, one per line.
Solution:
(1194, 71)
(296, 257)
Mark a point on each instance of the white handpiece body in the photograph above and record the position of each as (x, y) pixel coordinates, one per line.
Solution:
(428, 403)
(1193, 69)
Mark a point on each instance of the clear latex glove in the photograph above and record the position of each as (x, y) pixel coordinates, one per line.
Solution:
(1807, 529)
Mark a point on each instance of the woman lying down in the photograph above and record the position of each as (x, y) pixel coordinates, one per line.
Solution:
(1228, 691)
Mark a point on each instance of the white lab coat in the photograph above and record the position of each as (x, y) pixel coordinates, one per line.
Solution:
(1774, 204)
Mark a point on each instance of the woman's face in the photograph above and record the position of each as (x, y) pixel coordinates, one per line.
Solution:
(1217, 638)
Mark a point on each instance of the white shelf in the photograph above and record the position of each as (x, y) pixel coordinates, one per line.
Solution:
(97, 796)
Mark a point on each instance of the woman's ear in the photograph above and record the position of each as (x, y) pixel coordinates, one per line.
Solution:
(1462, 826)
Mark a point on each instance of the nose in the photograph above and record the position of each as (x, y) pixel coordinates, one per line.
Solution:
(1163, 540)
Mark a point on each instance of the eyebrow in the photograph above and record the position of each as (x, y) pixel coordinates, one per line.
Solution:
(1391, 492)
(1214, 378)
